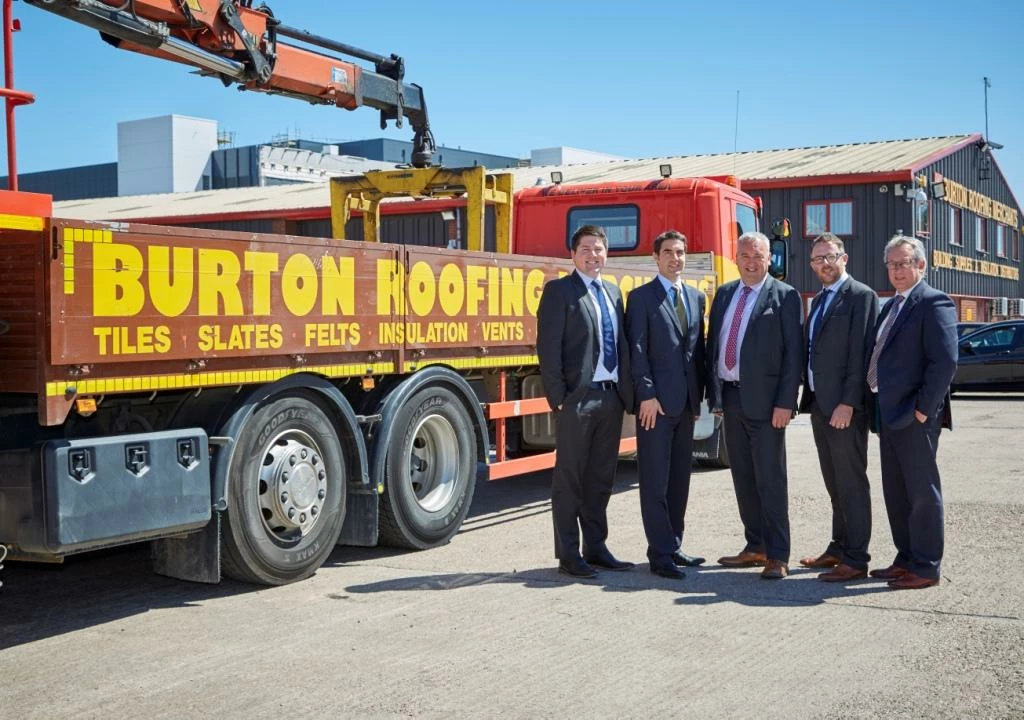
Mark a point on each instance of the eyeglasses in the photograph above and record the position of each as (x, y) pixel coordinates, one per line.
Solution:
(898, 264)
(829, 259)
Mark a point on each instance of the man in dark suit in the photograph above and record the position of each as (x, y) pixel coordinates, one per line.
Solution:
(910, 366)
(838, 329)
(753, 375)
(665, 326)
(584, 365)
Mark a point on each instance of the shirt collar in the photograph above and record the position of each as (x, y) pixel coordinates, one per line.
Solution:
(666, 283)
(755, 288)
(837, 284)
(588, 280)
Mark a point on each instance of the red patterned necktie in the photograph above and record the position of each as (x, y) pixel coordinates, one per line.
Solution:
(734, 330)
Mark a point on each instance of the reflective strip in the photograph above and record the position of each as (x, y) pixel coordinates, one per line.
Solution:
(470, 363)
(98, 386)
(21, 222)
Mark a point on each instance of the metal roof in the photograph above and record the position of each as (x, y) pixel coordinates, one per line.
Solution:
(760, 165)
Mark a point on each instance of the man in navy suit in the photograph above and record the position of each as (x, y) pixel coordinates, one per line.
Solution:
(753, 375)
(665, 326)
(584, 366)
(910, 366)
(840, 325)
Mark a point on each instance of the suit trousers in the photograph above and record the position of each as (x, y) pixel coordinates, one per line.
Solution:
(664, 459)
(587, 444)
(913, 495)
(843, 456)
(757, 458)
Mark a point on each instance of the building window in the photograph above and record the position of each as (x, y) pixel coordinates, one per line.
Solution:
(621, 224)
(1015, 244)
(1000, 240)
(956, 228)
(981, 234)
(834, 216)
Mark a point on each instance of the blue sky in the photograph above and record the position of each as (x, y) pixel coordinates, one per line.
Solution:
(654, 79)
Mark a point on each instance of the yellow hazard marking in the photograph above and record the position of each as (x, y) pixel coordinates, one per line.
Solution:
(21, 222)
(471, 363)
(97, 386)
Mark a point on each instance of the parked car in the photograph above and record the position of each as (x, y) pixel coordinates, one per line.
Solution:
(966, 328)
(992, 358)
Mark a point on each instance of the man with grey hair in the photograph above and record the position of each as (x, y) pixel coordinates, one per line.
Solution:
(753, 372)
(910, 366)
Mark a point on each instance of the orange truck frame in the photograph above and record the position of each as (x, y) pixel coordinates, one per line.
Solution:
(247, 402)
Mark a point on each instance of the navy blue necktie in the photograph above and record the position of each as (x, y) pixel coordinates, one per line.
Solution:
(816, 326)
(607, 332)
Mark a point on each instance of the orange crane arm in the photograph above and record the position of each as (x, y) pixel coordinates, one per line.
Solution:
(240, 45)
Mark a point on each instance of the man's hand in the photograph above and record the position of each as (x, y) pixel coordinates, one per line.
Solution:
(841, 416)
(781, 418)
(649, 412)
(921, 417)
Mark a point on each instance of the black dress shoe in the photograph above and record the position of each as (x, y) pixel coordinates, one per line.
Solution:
(576, 567)
(607, 561)
(667, 569)
(681, 558)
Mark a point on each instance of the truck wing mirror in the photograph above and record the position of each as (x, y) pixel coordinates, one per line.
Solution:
(780, 258)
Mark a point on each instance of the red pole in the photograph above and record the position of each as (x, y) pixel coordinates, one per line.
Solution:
(12, 98)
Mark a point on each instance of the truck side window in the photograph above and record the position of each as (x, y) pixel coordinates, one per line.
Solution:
(620, 222)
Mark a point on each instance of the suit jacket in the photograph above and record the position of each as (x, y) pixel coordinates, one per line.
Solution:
(665, 363)
(919, 358)
(770, 351)
(568, 341)
(843, 333)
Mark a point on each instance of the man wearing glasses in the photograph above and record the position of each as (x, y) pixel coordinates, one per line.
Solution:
(837, 331)
(910, 366)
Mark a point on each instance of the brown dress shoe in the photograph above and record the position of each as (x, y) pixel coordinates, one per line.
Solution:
(843, 573)
(822, 561)
(910, 581)
(744, 559)
(774, 570)
(893, 572)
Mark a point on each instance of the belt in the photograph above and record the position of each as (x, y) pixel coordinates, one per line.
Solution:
(731, 384)
(603, 385)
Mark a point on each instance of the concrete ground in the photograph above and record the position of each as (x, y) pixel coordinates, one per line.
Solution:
(486, 627)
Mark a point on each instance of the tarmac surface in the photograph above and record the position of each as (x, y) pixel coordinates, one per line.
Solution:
(486, 627)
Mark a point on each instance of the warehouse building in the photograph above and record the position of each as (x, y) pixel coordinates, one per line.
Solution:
(947, 191)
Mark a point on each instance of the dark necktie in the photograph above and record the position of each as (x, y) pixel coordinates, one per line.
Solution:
(732, 342)
(819, 312)
(880, 342)
(677, 300)
(607, 331)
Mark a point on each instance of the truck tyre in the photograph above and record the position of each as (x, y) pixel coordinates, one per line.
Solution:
(286, 493)
(429, 471)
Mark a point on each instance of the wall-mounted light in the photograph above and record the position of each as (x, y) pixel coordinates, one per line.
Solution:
(939, 189)
(665, 170)
(556, 177)
(447, 215)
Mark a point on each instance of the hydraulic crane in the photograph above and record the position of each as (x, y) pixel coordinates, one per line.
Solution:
(240, 45)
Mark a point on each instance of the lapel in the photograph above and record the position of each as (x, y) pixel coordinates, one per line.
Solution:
(584, 294)
(760, 304)
(836, 302)
(908, 305)
(667, 308)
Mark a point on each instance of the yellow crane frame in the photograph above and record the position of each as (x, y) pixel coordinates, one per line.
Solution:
(480, 188)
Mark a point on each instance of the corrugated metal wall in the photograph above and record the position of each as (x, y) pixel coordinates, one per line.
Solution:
(77, 183)
(877, 216)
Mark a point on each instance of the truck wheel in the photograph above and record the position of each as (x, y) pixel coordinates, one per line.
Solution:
(286, 494)
(430, 471)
